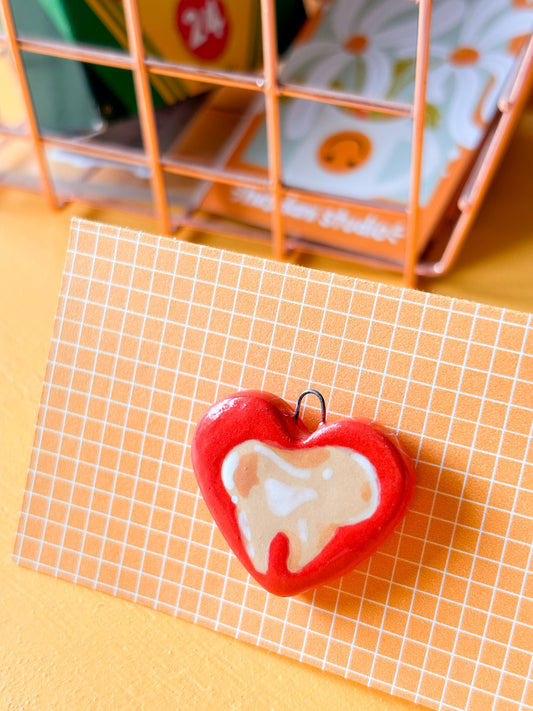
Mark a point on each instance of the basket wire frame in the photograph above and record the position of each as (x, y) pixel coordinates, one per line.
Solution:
(143, 67)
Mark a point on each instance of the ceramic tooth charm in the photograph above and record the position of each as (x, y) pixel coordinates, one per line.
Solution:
(298, 508)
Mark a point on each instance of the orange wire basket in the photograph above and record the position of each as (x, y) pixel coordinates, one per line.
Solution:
(159, 167)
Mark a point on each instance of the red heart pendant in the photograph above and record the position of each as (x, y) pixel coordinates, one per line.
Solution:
(298, 508)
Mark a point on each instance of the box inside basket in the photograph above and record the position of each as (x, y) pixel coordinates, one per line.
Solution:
(346, 172)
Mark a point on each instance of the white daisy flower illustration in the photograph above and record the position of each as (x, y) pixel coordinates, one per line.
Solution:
(356, 47)
(470, 71)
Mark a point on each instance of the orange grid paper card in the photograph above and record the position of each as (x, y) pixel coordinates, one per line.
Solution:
(151, 331)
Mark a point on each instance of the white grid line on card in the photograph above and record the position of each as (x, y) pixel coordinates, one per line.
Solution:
(62, 305)
(115, 365)
(427, 306)
(195, 397)
(442, 464)
(469, 582)
(387, 350)
(298, 328)
(527, 685)
(316, 356)
(433, 384)
(334, 382)
(181, 463)
(507, 536)
(45, 394)
(510, 486)
(381, 626)
(521, 597)
(217, 276)
(417, 580)
(274, 324)
(400, 421)
(337, 615)
(85, 415)
(248, 344)
(355, 394)
(405, 431)
(154, 508)
(357, 384)
(299, 273)
(304, 643)
(375, 322)
(361, 292)
(54, 363)
(152, 391)
(163, 243)
(307, 656)
(340, 389)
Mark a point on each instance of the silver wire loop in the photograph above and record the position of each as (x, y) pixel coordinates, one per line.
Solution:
(322, 404)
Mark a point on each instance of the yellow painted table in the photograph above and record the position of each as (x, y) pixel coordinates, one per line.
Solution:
(65, 647)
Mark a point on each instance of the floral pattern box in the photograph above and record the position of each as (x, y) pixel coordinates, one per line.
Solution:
(359, 160)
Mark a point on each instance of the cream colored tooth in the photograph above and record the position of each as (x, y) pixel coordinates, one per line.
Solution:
(307, 504)
(297, 472)
(229, 465)
(244, 525)
(303, 530)
(283, 499)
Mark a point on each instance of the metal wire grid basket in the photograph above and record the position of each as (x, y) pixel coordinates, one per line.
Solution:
(266, 83)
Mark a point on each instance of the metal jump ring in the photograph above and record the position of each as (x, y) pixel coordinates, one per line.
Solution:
(322, 404)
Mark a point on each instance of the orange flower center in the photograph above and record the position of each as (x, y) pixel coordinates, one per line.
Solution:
(464, 55)
(356, 44)
(517, 44)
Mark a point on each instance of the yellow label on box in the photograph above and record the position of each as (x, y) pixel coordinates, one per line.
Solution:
(221, 34)
(217, 33)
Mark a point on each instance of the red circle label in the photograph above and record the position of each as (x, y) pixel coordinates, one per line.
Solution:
(204, 26)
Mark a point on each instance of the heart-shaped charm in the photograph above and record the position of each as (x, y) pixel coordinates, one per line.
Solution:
(298, 508)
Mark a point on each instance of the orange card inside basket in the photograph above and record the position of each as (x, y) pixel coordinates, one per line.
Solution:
(151, 331)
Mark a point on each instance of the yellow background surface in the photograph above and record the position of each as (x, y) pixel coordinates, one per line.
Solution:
(63, 646)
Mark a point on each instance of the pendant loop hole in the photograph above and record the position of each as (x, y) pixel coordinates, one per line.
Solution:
(322, 404)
